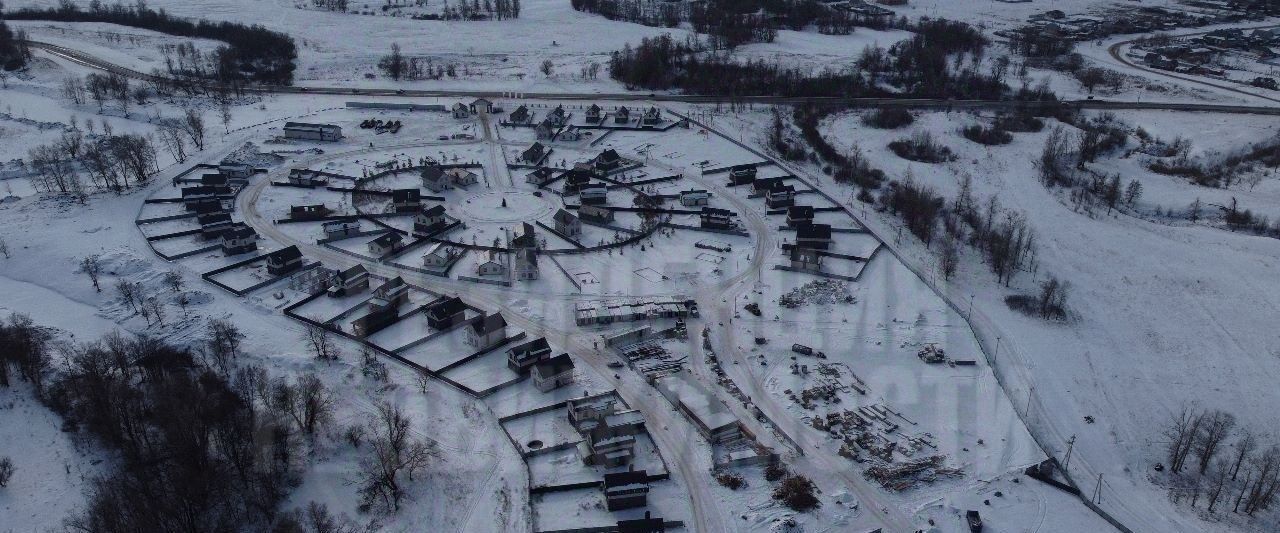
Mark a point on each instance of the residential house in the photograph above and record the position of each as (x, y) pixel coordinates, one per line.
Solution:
(594, 114)
(527, 239)
(430, 220)
(594, 194)
(552, 373)
(609, 437)
(570, 134)
(607, 160)
(595, 213)
(406, 200)
(238, 171)
(583, 411)
(799, 214)
(386, 243)
(763, 185)
(308, 212)
(487, 331)
(446, 313)
(481, 105)
(349, 281)
(626, 490)
(284, 261)
(622, 115)
(434, 179)
(694, 197)
(652, 116)
(384, 308)
(312, 132)
(205, 206)
(213, 224)
(574, 180)
(197, 194)
(394, 292)
(460, 110)
(439, 256)
(716, 218)
(742, 174)
(492, 267)
(546, 130)
(534, 154)
(339, 229)
(541, 176)
(816, 236)
(805, 259)
(567, 224)
(520, 116)
(524, 264)
(557, 117)
(780, 196)
(461, 177)
(307, 178)
(238, 239)
(522, 357)
(648, 524)
(218, 183)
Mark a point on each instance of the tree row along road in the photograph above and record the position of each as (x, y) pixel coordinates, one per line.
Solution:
(81, 58)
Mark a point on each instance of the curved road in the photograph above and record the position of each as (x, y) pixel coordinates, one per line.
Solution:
(1114, 51)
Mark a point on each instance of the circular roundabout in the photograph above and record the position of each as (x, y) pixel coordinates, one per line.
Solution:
(503, 207)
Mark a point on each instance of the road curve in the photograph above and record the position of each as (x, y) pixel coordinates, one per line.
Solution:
(1114, 51)
(87, 60)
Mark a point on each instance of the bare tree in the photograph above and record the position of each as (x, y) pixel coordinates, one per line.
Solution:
(1244, 446)
(172, 136)
(223, 342)
(312, 405)
(91, 266)
(547, 68)
(6, 471)
(1217, 481)
(157, 308)
(1181, 433)
(1209, 439)
(174, 280)
(394, 457)
(224, 112)
(321, 341)
(4, 249)
(193, 125)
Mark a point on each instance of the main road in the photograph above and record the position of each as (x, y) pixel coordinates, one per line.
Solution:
(87, 60)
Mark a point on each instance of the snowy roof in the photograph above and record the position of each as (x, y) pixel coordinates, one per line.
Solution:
(447, 308)
(387, 239)
(622, 479)
(565, 217)
(489, 324)
(813, 231)
(537, 345)
(403, 195)
(435, 210)
(556, 365)
(285, 255)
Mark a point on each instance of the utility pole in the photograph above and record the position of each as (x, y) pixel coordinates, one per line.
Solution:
(1066, 461)
(995, 358)
(1097, 490)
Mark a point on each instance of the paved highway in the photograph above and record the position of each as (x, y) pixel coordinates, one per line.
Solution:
(81, 58)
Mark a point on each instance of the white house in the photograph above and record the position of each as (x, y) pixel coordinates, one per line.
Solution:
(487, 331)
(552, 373)
(492, 267)
(460, 110)
(525, 264)
(694, 197)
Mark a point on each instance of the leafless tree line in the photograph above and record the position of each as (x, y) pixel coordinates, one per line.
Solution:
(1212, 460)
